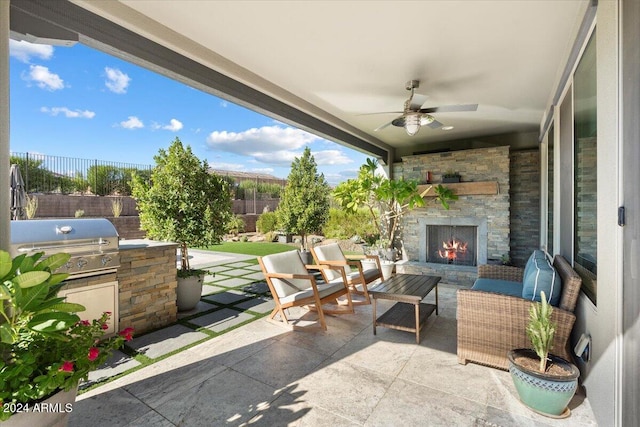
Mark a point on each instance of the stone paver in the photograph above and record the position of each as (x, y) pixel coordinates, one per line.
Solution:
(116, 364)
(211, 289)
(220, 320)
(258, 305)
(254, 276)
(233, 282)
(163, 341)
(227, 297)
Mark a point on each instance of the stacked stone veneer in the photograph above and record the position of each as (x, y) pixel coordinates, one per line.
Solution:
(485, 164)
(525, 205)
(147, 285)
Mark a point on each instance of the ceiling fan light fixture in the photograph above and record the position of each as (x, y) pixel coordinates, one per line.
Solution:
(412, 124)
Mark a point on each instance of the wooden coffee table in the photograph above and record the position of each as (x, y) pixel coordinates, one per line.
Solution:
(409, 313)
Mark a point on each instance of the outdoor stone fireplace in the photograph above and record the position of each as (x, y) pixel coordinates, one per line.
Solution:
(475, 230)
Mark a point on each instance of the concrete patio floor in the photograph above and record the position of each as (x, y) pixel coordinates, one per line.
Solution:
(263, 373)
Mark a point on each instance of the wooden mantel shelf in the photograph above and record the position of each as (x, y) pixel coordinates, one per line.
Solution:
(464, 188)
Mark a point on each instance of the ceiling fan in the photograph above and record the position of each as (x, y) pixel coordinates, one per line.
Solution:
(413, 117)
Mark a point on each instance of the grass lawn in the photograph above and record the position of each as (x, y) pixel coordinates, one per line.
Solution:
(251, 248)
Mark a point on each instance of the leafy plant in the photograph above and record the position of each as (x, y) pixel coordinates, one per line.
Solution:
(344, 224)
(267, 222)
(443, 195)
(304, 205)
(44, 346)
(32, 207)
(541, 330)
(79, 213)
(235, 225)
(185, 203)
(377, 193)
(116, 206)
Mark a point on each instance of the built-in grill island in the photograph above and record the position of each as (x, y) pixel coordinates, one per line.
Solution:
(94, 248)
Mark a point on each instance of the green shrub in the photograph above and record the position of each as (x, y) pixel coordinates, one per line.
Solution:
(271, 236)
(344, 225)
(235, 225)
(267, 221)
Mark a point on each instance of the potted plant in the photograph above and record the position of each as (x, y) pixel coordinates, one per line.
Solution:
(45, 348)
(184, 203)
(386, 200)
(450, 176)
(545, 383)
(304, 204)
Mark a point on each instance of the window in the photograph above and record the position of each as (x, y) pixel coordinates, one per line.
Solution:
(585, 164)
(550, 136)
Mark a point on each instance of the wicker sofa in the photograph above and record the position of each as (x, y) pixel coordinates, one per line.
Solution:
(490, 324)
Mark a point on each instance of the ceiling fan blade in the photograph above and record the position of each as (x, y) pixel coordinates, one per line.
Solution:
(435, 124)
(417, 101)
(382, 127)
(450, 108)
(381, 112)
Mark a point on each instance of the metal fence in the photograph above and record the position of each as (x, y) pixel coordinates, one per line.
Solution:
(65, 175)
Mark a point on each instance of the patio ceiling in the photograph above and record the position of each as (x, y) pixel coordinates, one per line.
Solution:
(338, 62)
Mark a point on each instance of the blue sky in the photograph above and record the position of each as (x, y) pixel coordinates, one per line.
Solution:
(79, 102)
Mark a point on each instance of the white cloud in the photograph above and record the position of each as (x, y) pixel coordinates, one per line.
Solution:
(132, 123)
(24, 51)
(174, 125)
(71, 114)
(274, 145)
(224, 104)
(117, 81)
(44, 78)
(238, 167)
(268, 144)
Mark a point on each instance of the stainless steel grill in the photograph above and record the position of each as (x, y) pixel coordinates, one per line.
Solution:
(91, 242)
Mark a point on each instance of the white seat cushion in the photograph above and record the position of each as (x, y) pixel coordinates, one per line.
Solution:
(323, 290)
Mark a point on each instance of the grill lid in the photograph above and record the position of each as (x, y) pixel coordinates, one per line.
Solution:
(92, 243)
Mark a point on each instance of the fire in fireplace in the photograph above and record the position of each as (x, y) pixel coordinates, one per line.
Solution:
(448, 244)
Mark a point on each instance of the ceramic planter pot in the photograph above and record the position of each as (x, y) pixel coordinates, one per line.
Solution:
(387, 268)
(189, 292)
(545, 394)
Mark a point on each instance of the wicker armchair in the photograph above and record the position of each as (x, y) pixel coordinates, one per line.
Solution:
(491, 324)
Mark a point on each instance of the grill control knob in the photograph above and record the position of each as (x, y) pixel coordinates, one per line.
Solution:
(68, 265)
(106, 260)
(82, 262)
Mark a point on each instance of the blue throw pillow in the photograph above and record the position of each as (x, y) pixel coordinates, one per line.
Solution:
(537, 254)
(541, 276)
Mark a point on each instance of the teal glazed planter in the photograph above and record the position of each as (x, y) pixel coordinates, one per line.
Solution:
(546, 394)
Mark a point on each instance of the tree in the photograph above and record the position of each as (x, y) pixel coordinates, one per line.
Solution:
(304, 205)
(386, 200)
(184, 203)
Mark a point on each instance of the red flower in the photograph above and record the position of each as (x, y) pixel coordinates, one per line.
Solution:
(93, 354)
(66, 366)
(85, 323)
(105, 326)
(127, 333)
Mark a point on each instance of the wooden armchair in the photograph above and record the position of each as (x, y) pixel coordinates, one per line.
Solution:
(491, 324)
(356, 272)
(291, 285)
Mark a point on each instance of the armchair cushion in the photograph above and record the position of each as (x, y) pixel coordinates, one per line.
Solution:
(505, 287)
(291, 263)
(324, 289)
